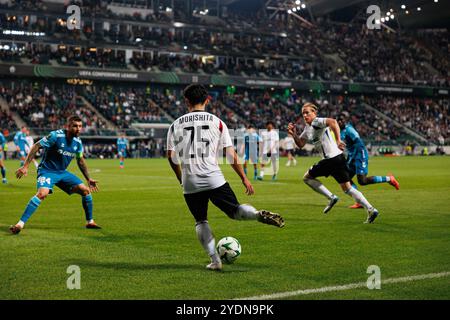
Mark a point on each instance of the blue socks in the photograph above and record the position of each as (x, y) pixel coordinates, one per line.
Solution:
(31, 208)
(245, 171)
(255, 174)
(379, 179)
(3, 173)
(87, 206)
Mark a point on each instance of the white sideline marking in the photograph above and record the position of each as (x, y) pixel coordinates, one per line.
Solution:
(350, 286)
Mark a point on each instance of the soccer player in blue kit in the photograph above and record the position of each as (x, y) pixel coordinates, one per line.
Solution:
(122, 145)
(251, 142)
(2, 165)
(60, 147)
(20, 140)
(358, 158)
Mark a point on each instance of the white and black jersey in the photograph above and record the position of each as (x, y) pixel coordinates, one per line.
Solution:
(320, 135)
(333, 162)
(198, 138)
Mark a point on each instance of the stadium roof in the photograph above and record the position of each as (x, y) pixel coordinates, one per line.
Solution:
(431, 14)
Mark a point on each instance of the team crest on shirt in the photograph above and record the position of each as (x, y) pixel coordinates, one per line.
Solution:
(62, 145)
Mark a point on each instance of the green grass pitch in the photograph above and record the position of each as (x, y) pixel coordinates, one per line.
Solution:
(148, 249)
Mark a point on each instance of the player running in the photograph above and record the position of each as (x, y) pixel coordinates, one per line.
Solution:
(318, 130)
(2, 165)
(20, 140)
(270, 141)
(251, 142)
(358, 158)
(60, 147)
(290, 149)
(194, 144)
(122, 146)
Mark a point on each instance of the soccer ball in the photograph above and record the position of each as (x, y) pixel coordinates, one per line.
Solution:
(229, 249)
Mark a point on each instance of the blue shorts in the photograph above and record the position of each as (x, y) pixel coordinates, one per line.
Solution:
(64, 180)
(359, 166)
(122, 153)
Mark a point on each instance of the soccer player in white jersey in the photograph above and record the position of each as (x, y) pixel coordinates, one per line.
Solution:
(289, 145)
(318, 130)
(271, 144)
(30, 142)
(195, 142)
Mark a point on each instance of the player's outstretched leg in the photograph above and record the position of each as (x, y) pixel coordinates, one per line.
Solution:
(31, 207)
(206, 238)
(87, 202)
(372, 213)
(317, 186)
(364, 180)
(247, 212)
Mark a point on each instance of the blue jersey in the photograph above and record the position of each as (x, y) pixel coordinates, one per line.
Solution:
(122, 144)
(58, 151)
(2, 140)
(251, 141)
(354, 144)
(20, 140)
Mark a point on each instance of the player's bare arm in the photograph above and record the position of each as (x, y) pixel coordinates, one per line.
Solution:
(175, 167)
(82, 165)
(334, 126)
(292, 130)
(233, 160)
(23, 171)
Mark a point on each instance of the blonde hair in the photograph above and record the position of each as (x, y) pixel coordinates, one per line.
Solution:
(310, 105)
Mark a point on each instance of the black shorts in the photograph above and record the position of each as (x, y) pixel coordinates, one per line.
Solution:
(290, 151)
(335, 167)
(222, 197)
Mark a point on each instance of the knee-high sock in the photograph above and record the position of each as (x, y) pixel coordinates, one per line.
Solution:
(87, 206)
(30, 209)
(206, 238)
(255, 172)
(380, 179)
(359, 197)
(317, 186)
(245, 212)
(3, 173)
(245, 170)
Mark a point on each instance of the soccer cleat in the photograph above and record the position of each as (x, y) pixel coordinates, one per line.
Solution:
(356, 206)
(92, 225)
(274, 177)
(271, 218)
(259, 178)
(15, 229)
(4, 181)
(372, 215)
(214, 266)
(393, 182)
(331, 204)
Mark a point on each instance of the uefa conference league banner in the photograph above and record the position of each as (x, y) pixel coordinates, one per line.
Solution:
(77, 75)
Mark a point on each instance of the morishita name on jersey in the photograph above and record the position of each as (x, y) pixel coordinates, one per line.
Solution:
(196, 117)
